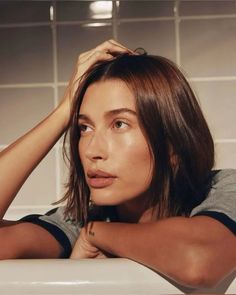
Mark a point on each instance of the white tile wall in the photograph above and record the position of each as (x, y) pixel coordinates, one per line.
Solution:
(75, 11)
(209, 7)
(156, 37)
(145, 9)
(21, 109)
(225, 154)
(24, 11)
(38, 50)
(40, 188)
(208, 47)
(76, 39)
(26, 55)
(218, 100)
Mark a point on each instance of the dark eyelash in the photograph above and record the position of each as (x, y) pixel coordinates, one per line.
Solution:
(80, 127)
(120, 121)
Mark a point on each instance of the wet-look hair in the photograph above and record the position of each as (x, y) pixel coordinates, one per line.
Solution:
(173, 124)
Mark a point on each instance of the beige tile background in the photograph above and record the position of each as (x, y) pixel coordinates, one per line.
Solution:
(38, 51)
(156, 37)
(26, 54)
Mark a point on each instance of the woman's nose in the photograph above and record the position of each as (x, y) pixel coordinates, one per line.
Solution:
(97, 148)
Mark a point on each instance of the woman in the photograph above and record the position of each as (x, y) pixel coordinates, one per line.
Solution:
(141, 156)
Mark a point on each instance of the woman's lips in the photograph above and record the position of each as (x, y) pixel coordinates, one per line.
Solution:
(100, 182)
(99, 178)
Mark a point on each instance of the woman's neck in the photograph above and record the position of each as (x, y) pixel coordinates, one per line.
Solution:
(132, 212)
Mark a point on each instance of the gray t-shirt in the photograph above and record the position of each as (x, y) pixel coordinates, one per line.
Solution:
(222, 195)
(220, 204)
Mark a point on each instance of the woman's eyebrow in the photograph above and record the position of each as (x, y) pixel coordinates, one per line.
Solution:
(120, 111)
(108, 114)
(85, 118)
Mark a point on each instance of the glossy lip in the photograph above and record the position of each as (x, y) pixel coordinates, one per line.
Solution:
(99, 173)
(99, 178)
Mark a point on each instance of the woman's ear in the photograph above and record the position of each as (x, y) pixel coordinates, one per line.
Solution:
(174, 160)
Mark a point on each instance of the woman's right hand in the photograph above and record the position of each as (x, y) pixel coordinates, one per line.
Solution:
(103, 51)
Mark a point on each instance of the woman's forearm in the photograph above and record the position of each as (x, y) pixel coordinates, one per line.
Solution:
(139, 242)
(180, 249)
(19, 159)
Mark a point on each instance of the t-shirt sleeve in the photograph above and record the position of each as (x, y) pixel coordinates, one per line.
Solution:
(220, 203)
(64, 229)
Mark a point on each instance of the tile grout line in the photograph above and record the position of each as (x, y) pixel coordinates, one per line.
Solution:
(177, 33)
(224, 140)
(63, 83)
(26, 85)
(114, 20)
(55, 83)
(213, 79)
(121, 20)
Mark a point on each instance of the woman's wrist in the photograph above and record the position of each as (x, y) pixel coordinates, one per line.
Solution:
(91, 231)
(100, 234)
(63, 113)
(94, 235)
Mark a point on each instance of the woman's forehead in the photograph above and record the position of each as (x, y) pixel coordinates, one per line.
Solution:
(107, 95)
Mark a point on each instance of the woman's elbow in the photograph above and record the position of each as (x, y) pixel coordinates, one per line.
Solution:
(195, 272)
(199, 278)
(203, 273)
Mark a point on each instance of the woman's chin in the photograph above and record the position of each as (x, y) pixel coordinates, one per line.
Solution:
(105, 200)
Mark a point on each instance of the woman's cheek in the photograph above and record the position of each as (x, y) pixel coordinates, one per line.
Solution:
(134, 153)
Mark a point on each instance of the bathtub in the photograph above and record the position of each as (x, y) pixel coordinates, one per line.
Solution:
(92, 276)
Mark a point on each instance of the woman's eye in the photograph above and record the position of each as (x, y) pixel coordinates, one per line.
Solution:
(120, 125)
(84, 128)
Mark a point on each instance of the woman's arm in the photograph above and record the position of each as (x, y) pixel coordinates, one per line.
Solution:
(28, 240)
(195, 252)
(19, 159)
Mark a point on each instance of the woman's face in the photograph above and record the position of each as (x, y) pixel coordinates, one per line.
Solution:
(113, 150)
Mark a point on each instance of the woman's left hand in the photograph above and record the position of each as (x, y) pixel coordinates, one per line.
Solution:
(83, 247)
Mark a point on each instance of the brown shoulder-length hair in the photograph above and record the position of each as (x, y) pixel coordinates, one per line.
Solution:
(173, 124)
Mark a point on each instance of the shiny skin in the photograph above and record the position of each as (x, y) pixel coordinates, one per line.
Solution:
(114, 143)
